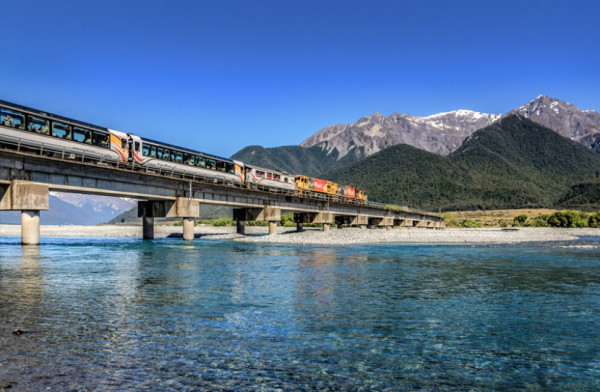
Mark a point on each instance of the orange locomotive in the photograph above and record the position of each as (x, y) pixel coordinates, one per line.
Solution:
(324, 186)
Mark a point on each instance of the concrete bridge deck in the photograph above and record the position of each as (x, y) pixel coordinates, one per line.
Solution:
(27, 177)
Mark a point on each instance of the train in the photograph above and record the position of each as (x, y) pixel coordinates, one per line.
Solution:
(58, 136)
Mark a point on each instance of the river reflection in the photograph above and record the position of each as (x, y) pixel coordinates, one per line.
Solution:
(123, 314)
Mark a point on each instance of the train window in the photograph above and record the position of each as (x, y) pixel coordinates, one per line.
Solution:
(123, 143)
(81, 135)
(188, 159)
(145, 150)
(276, 177)
(211, 164)
(61, 130)
(179, 157)
(166, 154)
(221, 166)
(230, 168)
(159, 152)
(153, 151)
(200, 162)
(99, 139)
(172, 159)
(260, 174)
(13, 119)
(37, 124)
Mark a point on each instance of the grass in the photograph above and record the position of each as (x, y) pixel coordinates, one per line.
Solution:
(492, 218)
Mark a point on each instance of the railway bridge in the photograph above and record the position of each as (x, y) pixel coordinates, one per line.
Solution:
(27, 177)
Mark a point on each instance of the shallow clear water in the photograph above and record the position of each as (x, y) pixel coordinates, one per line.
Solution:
(125, 314)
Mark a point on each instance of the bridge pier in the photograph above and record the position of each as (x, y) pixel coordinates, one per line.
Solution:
(323, 217)
(181, 207)
(188, 229)
(272, 227)
(267, 213)
(30, 227)
(148, 228)
(28, 197)
(241, 227)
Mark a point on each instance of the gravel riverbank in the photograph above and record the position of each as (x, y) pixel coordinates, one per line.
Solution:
(345, 236)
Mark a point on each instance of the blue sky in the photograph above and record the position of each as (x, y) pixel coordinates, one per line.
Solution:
(221, 75)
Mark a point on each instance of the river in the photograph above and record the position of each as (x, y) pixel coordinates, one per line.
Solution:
(125, 314)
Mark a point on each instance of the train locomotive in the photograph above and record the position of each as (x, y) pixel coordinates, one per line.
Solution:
(34, 130)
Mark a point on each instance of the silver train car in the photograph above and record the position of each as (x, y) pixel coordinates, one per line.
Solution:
(31, 129)
(44, 133)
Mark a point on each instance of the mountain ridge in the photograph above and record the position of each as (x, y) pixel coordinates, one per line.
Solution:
(443, 133)
(512, 163)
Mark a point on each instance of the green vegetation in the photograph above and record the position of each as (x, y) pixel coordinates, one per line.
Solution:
(312, 161)
(567, 219)
(514, 163)
(469, 223)
(393, 207)
(287, 220)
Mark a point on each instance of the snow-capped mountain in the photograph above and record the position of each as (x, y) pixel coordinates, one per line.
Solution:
(441, 133)
(580, 125)
(444, 132)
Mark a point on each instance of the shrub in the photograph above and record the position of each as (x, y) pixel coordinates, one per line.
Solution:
(520, 220)
(568, 219)
(470, 223)
(594, 220)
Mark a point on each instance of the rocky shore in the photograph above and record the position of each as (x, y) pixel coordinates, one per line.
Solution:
(345, 236)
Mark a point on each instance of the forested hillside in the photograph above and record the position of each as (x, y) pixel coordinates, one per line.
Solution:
(509, 164)
(312, 161)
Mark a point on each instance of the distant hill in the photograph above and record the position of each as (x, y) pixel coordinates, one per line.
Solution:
(584, 196)
(511, 163)
(75, 209)
(312, 161)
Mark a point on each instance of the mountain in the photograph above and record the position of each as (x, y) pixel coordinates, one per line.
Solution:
(311, 161)
(441, 133)
(75, 209)
(582, 126)
(512, 163)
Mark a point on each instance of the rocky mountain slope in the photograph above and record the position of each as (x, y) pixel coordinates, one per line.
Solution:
(443, 133)
(583, 126)
(512, 163)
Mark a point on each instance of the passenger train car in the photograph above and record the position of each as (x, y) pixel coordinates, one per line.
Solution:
(31, 129)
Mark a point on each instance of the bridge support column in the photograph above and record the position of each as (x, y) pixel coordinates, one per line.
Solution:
(28, 197)
(188, 229)
(241, 227)
(267, 213)
(272, 227)
(299, 227)
(181, 207)
(148, 228)
(30, 227)
(324, 217)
